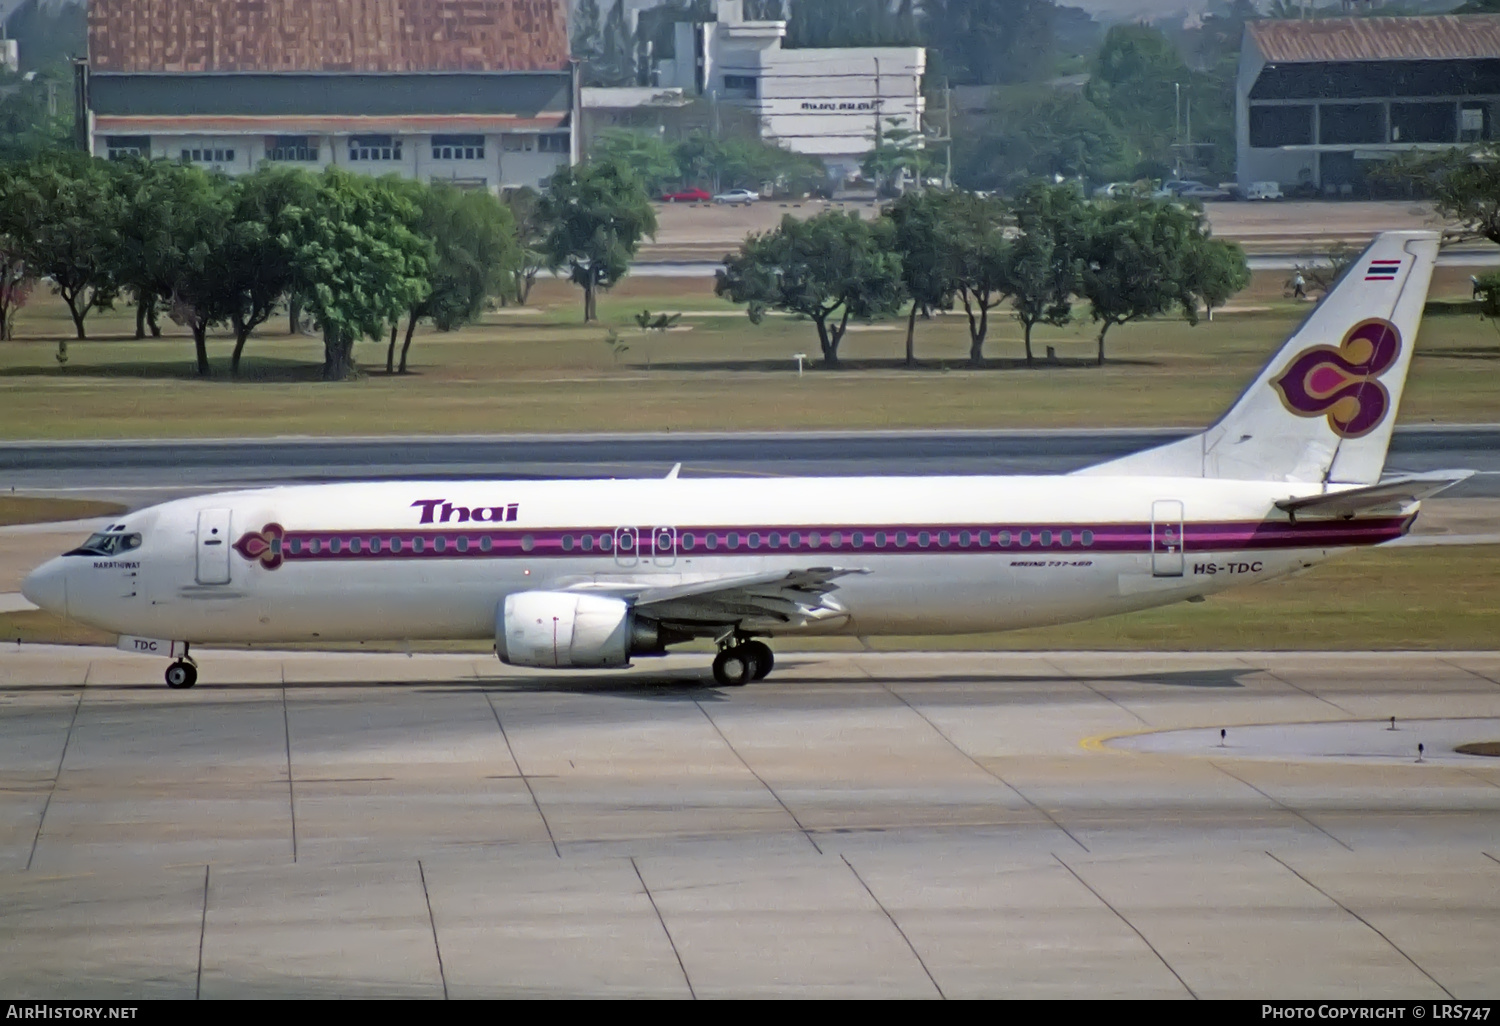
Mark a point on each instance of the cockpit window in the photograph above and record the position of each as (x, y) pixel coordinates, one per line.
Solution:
(107, 543)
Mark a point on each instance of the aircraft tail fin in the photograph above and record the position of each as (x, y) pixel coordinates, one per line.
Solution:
(1323, 409)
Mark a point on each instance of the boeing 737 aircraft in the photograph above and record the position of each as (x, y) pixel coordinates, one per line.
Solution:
(588, 574)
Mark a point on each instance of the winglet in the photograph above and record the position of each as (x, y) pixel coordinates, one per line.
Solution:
(672, 474)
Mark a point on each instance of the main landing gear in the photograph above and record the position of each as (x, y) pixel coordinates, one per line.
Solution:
(182, 674)
(742, 660)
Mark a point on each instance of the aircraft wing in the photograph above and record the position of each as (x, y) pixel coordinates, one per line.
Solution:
(775, 599)
(1392, 494)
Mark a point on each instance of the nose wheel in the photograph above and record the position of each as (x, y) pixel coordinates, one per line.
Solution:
(182, 674)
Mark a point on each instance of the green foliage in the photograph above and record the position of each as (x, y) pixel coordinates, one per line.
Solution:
(981, 254)
(1464, 185)
(739, 163)
(1034, 132)
(63, 213)
(651, 157)
(830, 23)
(358, 264)
(525, 205)
(923, 223)
(828, 268)
(1052, 223)
(597, 214)
(897, 153)
(1487, 290)
(1215, 271)
(35, 116)
(988, 42)
(647, 321)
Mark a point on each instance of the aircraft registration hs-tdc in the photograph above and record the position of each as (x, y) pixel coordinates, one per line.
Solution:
(588, 574)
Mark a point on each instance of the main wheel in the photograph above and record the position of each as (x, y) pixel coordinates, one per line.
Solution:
(734, 667)
(181, 676)
(763, 656)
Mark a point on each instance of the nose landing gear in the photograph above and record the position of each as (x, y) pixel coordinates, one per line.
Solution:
(182, 674)
(742, 660)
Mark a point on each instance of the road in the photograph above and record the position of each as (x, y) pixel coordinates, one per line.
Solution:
(192, 466)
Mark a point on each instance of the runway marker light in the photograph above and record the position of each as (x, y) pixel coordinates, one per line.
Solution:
(1421, 748)
(1223, 734)
(1393, 724)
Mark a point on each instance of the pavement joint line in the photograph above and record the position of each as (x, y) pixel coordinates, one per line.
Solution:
(1281, 805)
(291, 783)
(887, 913)
(1465, 669)
(432, 922)
(1287, 866)
(1121, 916)
(1278, 677)
(202, 932)
(1068, 676)
(489, 699)
(751, 770)
(662, 920)
(1481, 779)
(982, 767)
(57, 773)
(1490, 857)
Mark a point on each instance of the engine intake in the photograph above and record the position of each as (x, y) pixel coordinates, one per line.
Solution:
(562, 629)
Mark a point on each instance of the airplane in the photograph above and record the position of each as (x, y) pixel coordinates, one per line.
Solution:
(569, 574)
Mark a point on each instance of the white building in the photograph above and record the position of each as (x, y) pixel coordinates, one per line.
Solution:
(822, 102)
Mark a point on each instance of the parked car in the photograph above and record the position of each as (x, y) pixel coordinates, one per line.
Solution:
(737, 196)
(1114, 190)
(1264, 191)
(687, 196)
(1199, 191)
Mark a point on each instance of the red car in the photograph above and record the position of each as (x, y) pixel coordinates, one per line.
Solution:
(687, 196)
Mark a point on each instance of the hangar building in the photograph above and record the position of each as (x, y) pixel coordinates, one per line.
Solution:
(477, 92)
(1319, 102)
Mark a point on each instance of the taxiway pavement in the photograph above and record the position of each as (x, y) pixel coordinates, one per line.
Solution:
(908, 825)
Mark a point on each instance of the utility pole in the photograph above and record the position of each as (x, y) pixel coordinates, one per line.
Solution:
(948, 131)
(879, 138)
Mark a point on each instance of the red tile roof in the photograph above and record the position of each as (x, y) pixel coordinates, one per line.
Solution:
(1446, 37)
(328, 35)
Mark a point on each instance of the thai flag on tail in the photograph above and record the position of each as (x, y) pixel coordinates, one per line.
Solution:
(1382, 270)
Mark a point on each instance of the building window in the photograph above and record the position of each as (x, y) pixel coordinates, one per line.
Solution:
(515, 142)
(1351, 123)
(1424, 122)
(124, 147)
(374, 147)
(554, 142)
(209, 155)
(302, 148)
(740, 87)
(1473, 122)
(458, 147)
(1281, 126)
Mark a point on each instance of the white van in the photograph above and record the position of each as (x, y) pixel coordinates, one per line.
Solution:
(1264, 191)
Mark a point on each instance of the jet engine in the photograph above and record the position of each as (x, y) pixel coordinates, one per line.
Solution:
(562, 629)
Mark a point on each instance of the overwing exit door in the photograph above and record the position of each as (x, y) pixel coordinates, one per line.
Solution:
(1166, 538)
(213, 546)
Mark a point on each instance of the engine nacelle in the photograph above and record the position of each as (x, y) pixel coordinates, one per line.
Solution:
(563, 629)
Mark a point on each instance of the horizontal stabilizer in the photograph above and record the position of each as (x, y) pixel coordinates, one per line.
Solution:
(1394, 493)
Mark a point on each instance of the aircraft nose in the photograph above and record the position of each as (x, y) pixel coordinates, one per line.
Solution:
(47, 586)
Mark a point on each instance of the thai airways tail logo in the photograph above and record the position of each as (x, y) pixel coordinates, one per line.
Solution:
(1340, 382)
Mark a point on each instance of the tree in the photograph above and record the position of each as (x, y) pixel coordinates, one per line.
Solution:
(531, 235)
(596, 215)
(1214, 271)
(898, 151)
(987, 42)
(357, 265)
(35, 115)
(63, 213)
(1465, 186)
(257, 258)
(923, 225)
(1034, 132)
(981, 254)
(829, 23)
(828, 268)
(16, 285)
(647, 154)
(1043, 267)
(1135, 261)
(474, 251)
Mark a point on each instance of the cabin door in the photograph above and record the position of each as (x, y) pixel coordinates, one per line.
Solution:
(213, 546)
(664, 546)
(1166, 538)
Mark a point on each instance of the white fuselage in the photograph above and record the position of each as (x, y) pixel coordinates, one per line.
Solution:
(941, 555)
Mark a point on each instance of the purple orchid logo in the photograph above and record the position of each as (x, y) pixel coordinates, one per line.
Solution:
(1340, 382)
(263, 546)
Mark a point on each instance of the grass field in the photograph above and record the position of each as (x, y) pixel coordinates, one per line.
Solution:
(539, 369)
(1404, 598)
(22, 510)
